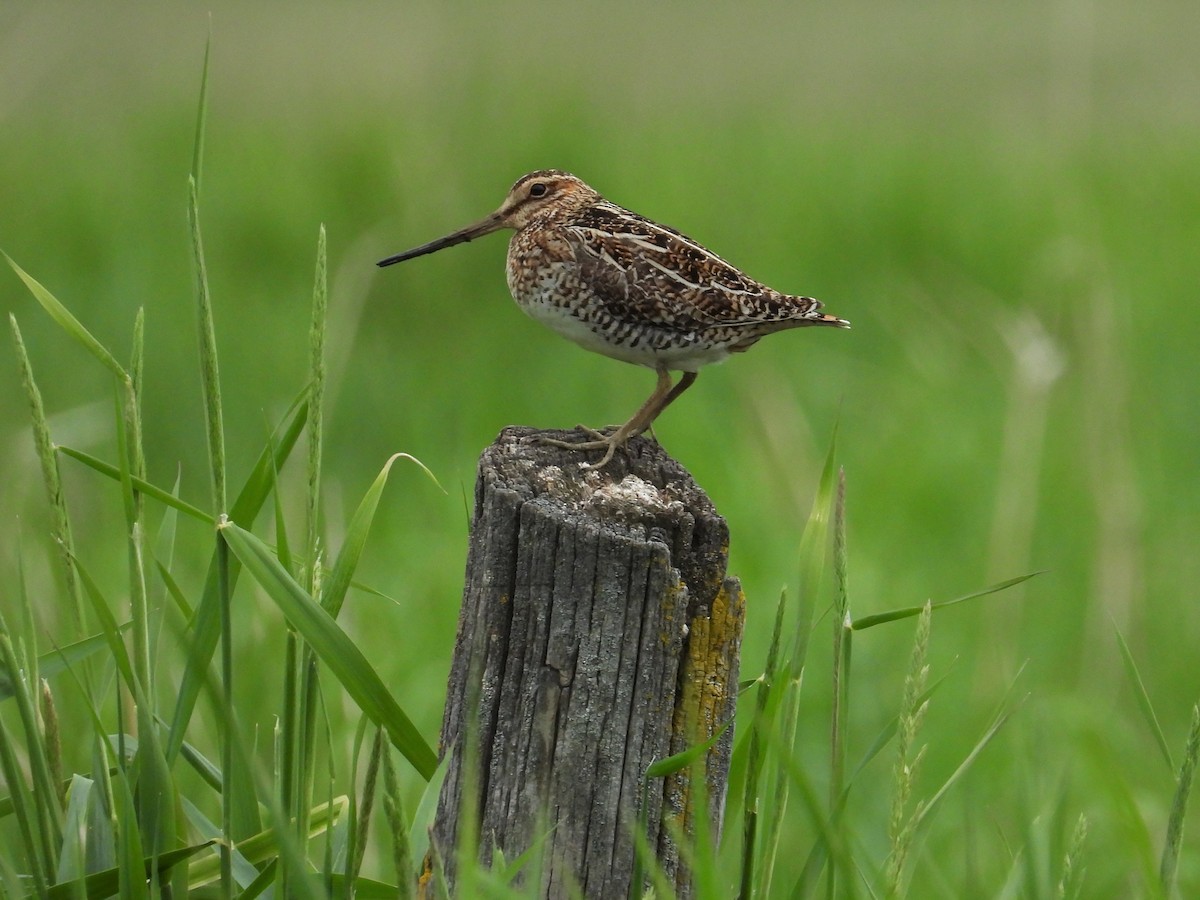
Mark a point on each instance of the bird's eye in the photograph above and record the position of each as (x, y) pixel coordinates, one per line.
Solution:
(539, 189)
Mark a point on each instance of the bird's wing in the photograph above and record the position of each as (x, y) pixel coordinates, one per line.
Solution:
(646, 272)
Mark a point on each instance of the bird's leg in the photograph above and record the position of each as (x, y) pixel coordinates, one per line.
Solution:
(685, 382)
(663, 394)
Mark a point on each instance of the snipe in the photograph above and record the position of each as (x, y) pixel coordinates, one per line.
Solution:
(619, 284)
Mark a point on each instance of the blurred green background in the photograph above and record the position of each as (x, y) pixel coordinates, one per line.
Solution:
(1004, 199)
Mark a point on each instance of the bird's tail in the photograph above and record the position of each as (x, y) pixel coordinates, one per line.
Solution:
(832, 320)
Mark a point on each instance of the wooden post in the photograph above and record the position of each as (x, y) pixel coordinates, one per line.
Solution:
(598, 633)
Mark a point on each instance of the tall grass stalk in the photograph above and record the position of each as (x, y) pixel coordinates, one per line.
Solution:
(840, 675)
(367, 804)
(305, 730)
(812, 553)
(60, 529)
(1072, 871)
(1183, 788)
(1145, 705)
(393, 809)
(155, 792)
(133, 456)
(36, 806)
(761, 726)
(316, 411)
(215, 430)
(210, 379)
(901, 825)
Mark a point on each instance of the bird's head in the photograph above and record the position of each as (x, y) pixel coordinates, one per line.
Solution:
(543, 196)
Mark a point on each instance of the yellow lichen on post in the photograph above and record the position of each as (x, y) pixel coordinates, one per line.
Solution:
(713, 645)
(706, 702)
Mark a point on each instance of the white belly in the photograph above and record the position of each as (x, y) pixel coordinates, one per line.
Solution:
(680, 356)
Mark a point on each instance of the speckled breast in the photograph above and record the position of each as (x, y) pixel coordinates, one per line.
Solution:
(550, 286)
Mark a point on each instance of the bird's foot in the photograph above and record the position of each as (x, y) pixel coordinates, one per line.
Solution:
(602, 434)
(597, 436)
(599, 441)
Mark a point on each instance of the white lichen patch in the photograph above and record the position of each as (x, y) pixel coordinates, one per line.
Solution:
(632, 497)
(552, 480)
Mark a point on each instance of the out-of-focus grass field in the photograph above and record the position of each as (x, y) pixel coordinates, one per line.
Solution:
(1003, 199)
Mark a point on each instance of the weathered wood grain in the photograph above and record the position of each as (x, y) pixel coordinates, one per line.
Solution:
(598, 633)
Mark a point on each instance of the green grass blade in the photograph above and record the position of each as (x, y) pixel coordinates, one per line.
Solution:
(263, 846)
(993, 729)
(55, 661)
(888, 732)
(52, 736)
(333, 646)
(316, 406)
(360, 809)
(288, 749)
(910, 611)
(71, 325)
(840, 674)
(25, 809)
(819, 852)
(661, 886)
(762, 727)
(60, 528)
(210, 376)
(362, 888)
(152, 811)
(813, 544)
(813, 547)
(156, 793)
(201, 113)
(393, 809)
(422, 820)
(155, 786)
(244, 871)
(1174, 841)
(229, 795)
(669, 765)
(27, 636)
(1143, 699)
(132, 463)
(829, 839)
(167, 498)
(162, 559)
(902, 825)
(334, 589)
(107, 882)
(274, 455)
(133, 408)
(304, 734)
(45, 791)
(131, 867)
(174, 591)
(164, 543)
(259, 885)
(108, 626)
(1071, 880)
(207, 626)
(72, 855)
(283, 547)
(339, 579)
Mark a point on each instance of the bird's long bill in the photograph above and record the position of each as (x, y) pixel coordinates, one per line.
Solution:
(479, 229)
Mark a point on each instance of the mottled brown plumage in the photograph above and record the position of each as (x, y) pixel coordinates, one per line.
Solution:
(624, 286)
